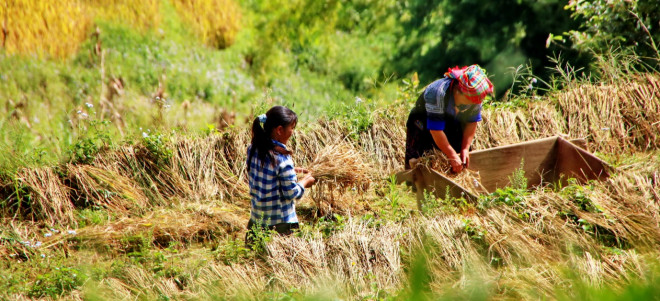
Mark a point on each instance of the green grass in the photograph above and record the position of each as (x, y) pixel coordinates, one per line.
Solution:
(44, 96)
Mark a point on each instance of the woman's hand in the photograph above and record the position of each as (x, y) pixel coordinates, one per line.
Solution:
(307, 181)
(456, 163)
(465, 158)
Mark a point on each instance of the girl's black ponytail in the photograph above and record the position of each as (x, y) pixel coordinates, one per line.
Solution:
(262, 143)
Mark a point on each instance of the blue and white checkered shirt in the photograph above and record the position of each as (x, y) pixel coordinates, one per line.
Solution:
(273, 189)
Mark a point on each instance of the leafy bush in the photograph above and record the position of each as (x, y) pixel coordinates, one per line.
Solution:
(157, 146)
(518, 180)
(57, 282)
(606, 24)
(511, 197)
(93, 137)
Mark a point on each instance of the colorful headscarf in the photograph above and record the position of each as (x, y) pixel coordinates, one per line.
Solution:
(472, 82)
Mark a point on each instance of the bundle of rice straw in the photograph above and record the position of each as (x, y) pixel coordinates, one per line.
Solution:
(468, 179)
(340, 163)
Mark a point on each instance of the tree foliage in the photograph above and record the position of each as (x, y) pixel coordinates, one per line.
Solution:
(633, 24)
(440, 34)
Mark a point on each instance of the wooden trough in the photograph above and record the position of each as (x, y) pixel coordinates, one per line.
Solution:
(548, 160)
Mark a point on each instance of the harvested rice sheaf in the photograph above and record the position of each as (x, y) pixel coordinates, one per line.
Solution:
(340, 163)
(467, 178)
(338, 168)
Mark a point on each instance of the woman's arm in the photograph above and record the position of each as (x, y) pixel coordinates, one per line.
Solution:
(468, 135)
(441, 141)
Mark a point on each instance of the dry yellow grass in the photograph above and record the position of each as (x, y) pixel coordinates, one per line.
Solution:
(215, 21)
(141, 15)
(44, 28)
(56, 29)
(42, 196)
(101, 187)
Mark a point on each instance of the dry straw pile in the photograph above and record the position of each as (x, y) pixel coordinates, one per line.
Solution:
(340, 163)
(467, 178)
(214, 166)
(337, 168)
(617, 117)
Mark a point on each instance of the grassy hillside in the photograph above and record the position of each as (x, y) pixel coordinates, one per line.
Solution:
(126, 77)
(164, 217)
(123, 174)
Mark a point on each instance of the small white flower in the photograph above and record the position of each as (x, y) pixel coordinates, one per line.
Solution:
(27, 243)
(48, 234)
(145, 135)
(72, 232)
(37, 244)
(54, 231)
(89, 105)
(358, 99)
(79, 112)
(70, 121)
(43, 255)
(167, 106)
(533, 80)
(84, 115)
(605, 129)
(530, 87)
(157, 98)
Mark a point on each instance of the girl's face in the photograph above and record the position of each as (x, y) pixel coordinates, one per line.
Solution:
(283, 133)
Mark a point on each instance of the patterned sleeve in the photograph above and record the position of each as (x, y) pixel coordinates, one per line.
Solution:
(288, 180)
(434, 98)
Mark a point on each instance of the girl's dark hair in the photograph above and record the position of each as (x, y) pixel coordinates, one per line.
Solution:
(262, 143)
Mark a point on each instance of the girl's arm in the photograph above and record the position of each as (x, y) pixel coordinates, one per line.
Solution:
(288, 181)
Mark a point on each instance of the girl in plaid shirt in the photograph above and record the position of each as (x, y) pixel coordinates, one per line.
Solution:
(272, 176)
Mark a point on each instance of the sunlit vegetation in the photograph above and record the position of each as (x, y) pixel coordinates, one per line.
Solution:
(124, 127)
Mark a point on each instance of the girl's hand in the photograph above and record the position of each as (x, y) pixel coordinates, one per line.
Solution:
(307, 181)
(300, 170)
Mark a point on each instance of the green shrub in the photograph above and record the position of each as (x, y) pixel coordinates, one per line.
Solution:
(57, 283)
(94, 135)
(158, 147)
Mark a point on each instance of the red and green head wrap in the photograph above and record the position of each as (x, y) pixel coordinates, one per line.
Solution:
(472, 82)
